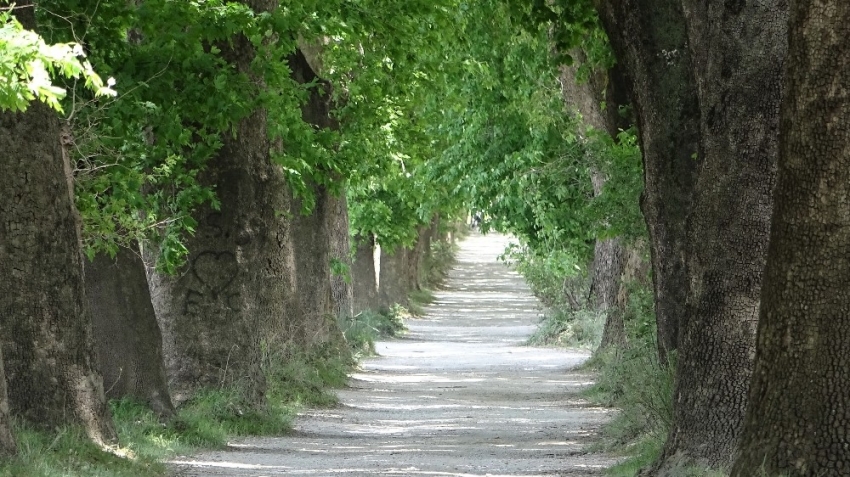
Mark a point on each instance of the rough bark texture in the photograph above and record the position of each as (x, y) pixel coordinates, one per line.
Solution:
(608, 262)
(127, 337)
(315, 323)
(237, 294)
(649, 40)
(47, 341)
(798, 416)
(737, 50)
(342, 290)
(8, 446)
(363, 274)
(312, 234)
(394, 276)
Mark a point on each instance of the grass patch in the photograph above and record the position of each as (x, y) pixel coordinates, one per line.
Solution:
(208, 420)
(635, 382)
(417, 300)
(362, 330)
(308, 379)
(69, 452)
(565, 327)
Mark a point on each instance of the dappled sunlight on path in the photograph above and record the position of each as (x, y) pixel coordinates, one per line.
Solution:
(459, 395)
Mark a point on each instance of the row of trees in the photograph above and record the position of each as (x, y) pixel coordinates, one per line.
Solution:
(253, 145)
(209, 196)
(732, 103)
(742, 206)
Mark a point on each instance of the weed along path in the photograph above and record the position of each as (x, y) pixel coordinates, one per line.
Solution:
(458, 395)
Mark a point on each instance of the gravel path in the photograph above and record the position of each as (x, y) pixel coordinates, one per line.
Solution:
(458, 395)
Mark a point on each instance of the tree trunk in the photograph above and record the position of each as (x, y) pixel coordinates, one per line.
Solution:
(312, 234)
(235, 299)
(393, 281)
(47, 342)
(796, 423)
(607, 267)
(649, 39)
(8, 446)
(607, 273)
(416, 259)
(127, 336)
(364, 286)
(737, 51)
(342, 289)
(316, 323)
(608, 261)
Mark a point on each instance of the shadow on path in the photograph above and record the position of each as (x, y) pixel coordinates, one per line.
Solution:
(459, 395)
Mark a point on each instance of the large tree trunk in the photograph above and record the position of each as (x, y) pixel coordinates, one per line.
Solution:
(8, 446)
(316, 322)
(393, 276)
(363, 274)
(737, 52)
(312, 234)
(607, 268)
(47, 341)
(342, 289)
(797, 418)
(237, 294)
(128, 340)
(649, 40)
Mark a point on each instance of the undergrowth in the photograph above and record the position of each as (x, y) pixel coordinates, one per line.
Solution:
(563, 287)
(366, 327)
(208, 420)
(630, 379)
(212, 416)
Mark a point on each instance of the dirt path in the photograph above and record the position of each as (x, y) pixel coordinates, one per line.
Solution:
(457, 396)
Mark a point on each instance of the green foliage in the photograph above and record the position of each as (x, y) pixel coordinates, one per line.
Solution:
(571, 24)
(28, 63)
(558, 280)
(556, 277)
(633, 381)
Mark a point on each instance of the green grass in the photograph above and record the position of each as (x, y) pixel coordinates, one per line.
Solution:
(417, 300)
(366, 327)
(68, 452)
(208, 420)
(565, 327)
(213, 416)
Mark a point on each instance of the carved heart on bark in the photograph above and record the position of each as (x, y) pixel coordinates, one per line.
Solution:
(216, 270)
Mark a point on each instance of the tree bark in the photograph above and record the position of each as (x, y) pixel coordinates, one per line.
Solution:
(127, 336)
(608, 261)
(394, 276)
(649, 40)
(234, 300)
(737, 50)
(8, 446)
(796, 423)
(313, 234)
(363, 273)
(342, 289)
(315, 324)
(607, 268)
(47, 341)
